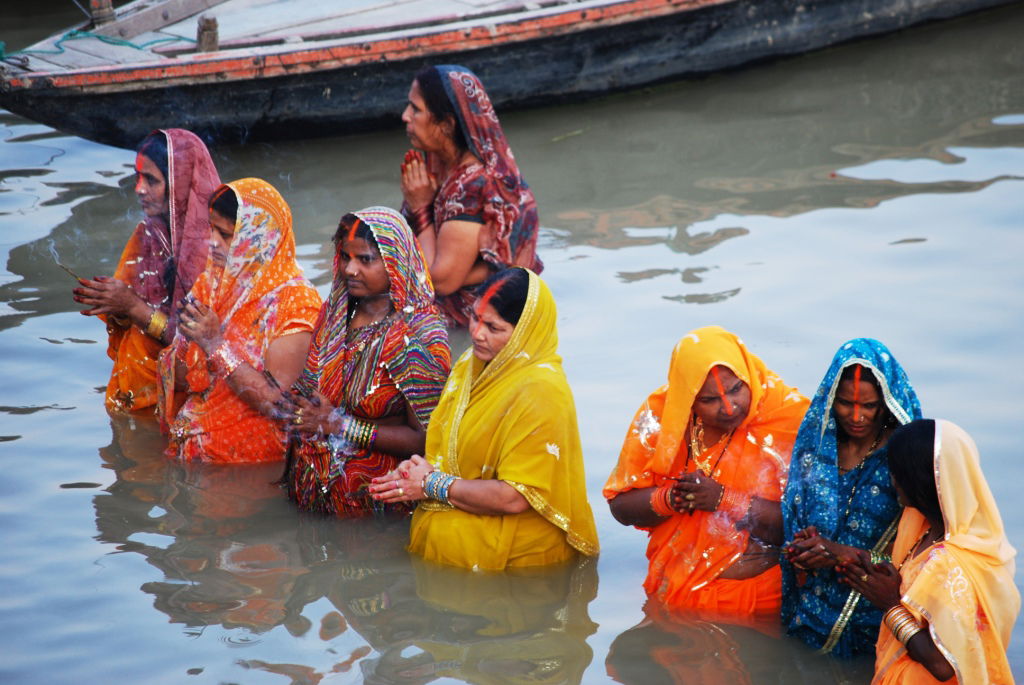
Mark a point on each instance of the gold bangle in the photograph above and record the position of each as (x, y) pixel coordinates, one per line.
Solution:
(157, 324)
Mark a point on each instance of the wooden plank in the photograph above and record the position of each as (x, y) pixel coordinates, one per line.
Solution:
(147, 15)
(105, 53)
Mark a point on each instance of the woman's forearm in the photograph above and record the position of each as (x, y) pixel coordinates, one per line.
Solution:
(633, 508)
(486, 497)
(922, 649)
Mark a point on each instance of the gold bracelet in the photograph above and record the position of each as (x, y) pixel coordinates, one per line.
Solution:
(157, 324)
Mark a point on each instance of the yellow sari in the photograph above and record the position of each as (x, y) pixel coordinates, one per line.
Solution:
(512, 419)
(962, 586)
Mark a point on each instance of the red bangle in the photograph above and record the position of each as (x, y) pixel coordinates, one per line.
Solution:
(423, 219)
(661, 500)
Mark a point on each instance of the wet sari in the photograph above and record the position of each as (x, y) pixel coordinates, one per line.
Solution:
(160, 263)
(488, 190)
(372, 372)
(962, 586)
(512, 419)
(858, 508)
(259, 295)
(688, 552)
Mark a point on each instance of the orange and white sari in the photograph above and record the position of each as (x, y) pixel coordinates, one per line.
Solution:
(962, 586)
(259, 295)
(688, 552)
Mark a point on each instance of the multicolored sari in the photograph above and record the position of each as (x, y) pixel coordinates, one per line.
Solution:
(512, 419)
(490, 191)
(688, 552)
(161, 263)
(373, 374)
(857, 508)
(259, 295)
(962, 586)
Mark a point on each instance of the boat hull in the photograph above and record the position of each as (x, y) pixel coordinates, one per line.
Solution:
(699, 39)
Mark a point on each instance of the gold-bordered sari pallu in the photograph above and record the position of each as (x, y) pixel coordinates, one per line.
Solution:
(512, 419)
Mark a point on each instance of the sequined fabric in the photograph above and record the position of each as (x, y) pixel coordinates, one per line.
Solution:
(856, 508)
(372, 372)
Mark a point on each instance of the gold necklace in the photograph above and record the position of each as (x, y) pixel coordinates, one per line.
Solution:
(860, 461)
(697, 447)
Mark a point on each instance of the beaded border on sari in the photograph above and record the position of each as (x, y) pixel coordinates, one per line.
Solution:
(554, 517)
(851, 600)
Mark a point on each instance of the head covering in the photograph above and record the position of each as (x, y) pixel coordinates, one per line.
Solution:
(191, 179)
(857, 509)
(962, 585)
(415, 349)
(512, 418)
(510, 206)
(688, 551)
(160, 264)
(259, 295)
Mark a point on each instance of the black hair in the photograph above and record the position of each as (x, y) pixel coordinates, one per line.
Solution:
(154, 147)
(510, 289)
(911, 455)
(362, 231)
(439, 104)
(225, 202)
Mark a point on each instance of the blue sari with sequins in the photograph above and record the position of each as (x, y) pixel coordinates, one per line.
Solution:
(858, 508)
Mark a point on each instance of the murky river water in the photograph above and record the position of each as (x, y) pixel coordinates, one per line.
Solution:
(869, 190)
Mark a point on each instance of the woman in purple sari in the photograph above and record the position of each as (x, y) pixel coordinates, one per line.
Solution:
(471, 209)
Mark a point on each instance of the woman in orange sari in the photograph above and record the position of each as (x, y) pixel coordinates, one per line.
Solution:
(702, 471)
(174, 177)
(950, 600)
(243, 334)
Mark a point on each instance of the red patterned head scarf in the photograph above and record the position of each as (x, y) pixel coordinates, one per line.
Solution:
(162, 273)
(514, 207)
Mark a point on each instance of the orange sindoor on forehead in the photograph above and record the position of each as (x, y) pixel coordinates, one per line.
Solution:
(485, 300)
(721, 390)
(352, 230)
(856, 393)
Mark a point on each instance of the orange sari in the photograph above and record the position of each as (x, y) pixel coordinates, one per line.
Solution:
(155, 258)
(962, 586)
(688, 552)
(259, 295)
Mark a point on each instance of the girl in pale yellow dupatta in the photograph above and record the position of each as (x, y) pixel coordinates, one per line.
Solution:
(502, 484)
(950, 602)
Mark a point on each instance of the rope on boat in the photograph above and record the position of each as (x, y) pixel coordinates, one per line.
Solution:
(80, 35)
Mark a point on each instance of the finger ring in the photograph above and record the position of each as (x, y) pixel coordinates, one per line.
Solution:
(822, 548)
(191, 324)
(864, 578)
(298, 412)
(297, 421)
(691, 506)
(689, 497)
(402, 492)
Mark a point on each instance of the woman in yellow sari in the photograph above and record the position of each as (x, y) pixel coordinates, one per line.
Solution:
(502, 482)
(950, 600)
(702, 471)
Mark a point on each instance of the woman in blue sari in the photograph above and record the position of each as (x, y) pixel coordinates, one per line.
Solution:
(839, 498)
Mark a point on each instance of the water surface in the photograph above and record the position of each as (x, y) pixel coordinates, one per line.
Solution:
(868, 190)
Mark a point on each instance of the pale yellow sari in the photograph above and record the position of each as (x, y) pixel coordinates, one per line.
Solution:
(512, 419)
(962, 586)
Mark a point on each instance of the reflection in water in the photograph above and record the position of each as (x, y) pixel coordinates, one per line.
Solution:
(676, 648)
(233, 552)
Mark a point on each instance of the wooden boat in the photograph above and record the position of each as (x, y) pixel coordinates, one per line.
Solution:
(299, 68)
